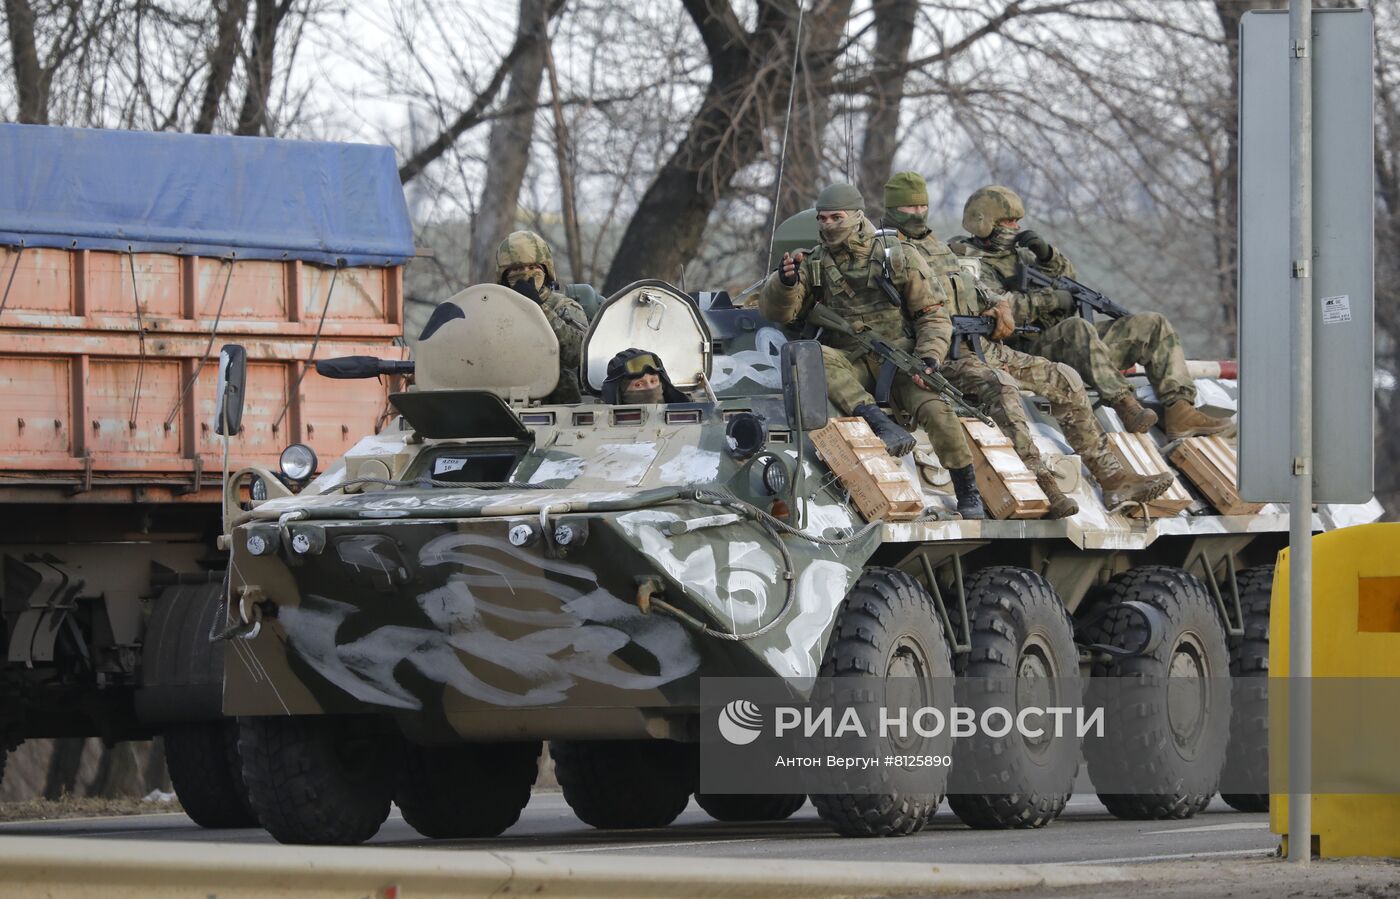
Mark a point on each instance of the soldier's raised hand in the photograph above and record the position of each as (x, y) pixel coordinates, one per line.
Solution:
(787, 272)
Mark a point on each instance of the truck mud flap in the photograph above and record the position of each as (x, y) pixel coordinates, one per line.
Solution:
(182, 673)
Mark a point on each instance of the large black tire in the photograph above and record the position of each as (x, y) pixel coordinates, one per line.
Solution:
(466, 790)
(888, 627)
(316, 779)
(1020, 630)
(755, 807)
(1247, 761)
(207, 773)
(625, 784)
(1164, 731)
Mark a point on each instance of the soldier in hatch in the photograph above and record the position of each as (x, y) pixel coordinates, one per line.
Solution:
(524, 264)
(1099, 352)
(637, 376)
(996, 381)
(842, 273)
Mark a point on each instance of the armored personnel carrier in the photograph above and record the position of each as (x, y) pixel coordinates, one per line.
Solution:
(489, 573)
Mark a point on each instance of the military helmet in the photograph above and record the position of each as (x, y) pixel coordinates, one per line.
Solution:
(524, 248)
(989, 205)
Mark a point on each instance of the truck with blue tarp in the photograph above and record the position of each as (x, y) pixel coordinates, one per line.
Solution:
(126, 260)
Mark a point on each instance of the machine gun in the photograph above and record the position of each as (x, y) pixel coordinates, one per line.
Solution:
(974, 328)
(895, 359)
(1087, 300)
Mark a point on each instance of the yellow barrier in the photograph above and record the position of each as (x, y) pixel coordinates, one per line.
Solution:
(1356, 634)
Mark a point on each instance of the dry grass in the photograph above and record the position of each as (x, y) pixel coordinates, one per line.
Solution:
(49, 810)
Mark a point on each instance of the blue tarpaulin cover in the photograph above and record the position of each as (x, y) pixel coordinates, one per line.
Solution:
(202, 195)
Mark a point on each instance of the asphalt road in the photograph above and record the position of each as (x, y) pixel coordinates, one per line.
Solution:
(1084, 834)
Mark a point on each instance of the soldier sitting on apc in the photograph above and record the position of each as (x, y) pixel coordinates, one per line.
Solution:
(993, 216)
(638, 376)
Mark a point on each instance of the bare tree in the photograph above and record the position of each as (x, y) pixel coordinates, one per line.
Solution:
(508, 147)
(749, 79)
(268, 16)
(894, 31)
(223, 57)
(69, 26)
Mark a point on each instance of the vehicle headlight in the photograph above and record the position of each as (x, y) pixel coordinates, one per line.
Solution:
(775, 478)
(298, 462)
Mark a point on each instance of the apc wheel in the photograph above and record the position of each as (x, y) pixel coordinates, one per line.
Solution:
(1021, 635)
(756, 807)
(1167, 719)
(315, 779)
(207, 774)
(1247, 761)
(466, 790)
(888, 627)
(620, 784)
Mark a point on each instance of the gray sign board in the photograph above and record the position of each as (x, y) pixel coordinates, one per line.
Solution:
(1342, 264)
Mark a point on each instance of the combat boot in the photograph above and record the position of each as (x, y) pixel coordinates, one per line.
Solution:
(969, 500)
(1120, 485)
(898, 442)
(1185, 420)
(1061, 505)
(1136, 420)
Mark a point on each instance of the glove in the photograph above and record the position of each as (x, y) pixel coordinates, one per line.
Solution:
(1005, 320)
(930, 363)
(1036, 244)
(1064, 300)
(787, 272)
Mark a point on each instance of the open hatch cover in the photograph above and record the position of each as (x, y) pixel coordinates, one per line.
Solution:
(459, 415)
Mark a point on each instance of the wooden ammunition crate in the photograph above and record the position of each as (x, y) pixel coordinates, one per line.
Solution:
(1138, 453)
(1211, 463)
(1009, 489)
(879, 486)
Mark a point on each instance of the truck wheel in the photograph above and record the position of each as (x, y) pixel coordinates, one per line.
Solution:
(888, 627)
(1247, 761)
(1020, 631)
(315, 779)
(1168, 721)
(756, 807)
(617, 784)
(466, 790)
(207, 774)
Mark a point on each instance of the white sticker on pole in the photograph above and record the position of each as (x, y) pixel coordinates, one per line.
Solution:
(1336, 310)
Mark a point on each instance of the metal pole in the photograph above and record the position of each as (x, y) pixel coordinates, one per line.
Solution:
(1300, 510)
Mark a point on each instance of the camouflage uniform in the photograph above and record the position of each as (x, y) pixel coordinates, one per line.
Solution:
(996, 379)
(566, 317)
(844, 279)
(1098, 352)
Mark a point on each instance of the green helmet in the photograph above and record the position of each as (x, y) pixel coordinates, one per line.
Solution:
(989, 205)
(844, 197)
(524, 248)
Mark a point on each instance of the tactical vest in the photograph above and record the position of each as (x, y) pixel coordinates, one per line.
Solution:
(943, 261)
(853, 293)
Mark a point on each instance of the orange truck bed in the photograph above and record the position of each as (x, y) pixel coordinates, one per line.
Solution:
(100, 404)
(128, 258)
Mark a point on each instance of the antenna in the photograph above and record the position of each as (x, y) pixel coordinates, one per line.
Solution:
(787, 122)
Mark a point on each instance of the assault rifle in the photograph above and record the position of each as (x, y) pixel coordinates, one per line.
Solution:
(895, 359)
(974, 328)
(1087, 300)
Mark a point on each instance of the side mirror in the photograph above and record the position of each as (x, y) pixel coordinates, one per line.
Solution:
(804, 384)
(233, 374)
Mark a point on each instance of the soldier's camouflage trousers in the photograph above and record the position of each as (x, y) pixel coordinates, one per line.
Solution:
(1099, 353)
(849, 384)
(997, 382)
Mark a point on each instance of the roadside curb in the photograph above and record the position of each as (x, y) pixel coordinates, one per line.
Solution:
(66, 868)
